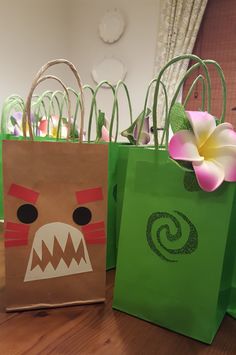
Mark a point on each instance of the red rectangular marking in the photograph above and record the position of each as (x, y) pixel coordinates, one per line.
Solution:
(15, 235)
(90, 195)
(23, 193)
(18, 227)
(93, 226)
(96, 241)
(94, 234)
(15, 243)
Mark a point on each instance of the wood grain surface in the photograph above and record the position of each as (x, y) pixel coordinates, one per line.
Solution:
(97, 329)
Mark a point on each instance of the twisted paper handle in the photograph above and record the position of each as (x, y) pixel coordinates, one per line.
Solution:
(26, 115)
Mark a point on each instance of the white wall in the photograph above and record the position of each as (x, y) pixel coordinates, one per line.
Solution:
(136, 48)
(33, 32)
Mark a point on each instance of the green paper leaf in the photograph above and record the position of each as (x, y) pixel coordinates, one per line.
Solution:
(178, 118)
(13, 121)
(101, 121)
(190, 182)
(64, 120)
(129, 132)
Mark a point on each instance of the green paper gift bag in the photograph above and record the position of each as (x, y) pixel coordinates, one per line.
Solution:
(232, 302)
(176, 244)
(12, 106)
(113, 161)
(113, 156)
(175, 250)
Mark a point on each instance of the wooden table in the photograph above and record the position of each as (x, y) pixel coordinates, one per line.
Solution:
(97, 329)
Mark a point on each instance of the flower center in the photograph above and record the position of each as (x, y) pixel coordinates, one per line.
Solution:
(203, 151)
(206, 150)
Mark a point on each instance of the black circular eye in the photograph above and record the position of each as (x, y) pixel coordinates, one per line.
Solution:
(27, 213)
(82, 216)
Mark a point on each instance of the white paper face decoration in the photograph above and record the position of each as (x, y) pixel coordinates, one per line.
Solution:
(111, 26)
(42, 262)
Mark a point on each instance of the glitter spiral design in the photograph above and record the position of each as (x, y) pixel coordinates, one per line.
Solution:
(156, 244)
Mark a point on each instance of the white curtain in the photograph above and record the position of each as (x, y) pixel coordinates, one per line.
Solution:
(179, 24)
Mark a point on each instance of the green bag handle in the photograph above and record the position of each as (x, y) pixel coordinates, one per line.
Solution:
(94, 108)
(153, 81)
(199, 78)
(115, 108)
(223, 85)
(154, 113)
(12, 102)
(180, 85)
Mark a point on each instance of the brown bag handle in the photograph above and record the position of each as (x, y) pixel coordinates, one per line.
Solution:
(37, 80)
(46, 77)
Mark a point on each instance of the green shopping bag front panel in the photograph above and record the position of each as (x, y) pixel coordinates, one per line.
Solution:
(112, 197)
(121, 174)
(1, 185)
(232, 304)
(173, 249)
(2, 137)
(118, 155)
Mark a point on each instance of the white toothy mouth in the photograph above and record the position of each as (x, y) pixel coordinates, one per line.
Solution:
(58, 250)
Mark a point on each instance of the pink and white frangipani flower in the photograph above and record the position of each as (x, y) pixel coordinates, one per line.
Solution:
(211, 149)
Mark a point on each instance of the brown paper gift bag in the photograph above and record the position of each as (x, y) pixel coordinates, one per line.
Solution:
(55, 201)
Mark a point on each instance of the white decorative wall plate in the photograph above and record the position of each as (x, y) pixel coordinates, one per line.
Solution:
(111, 26)
(110, 69)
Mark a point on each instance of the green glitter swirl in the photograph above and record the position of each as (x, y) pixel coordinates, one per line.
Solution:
(189, 247)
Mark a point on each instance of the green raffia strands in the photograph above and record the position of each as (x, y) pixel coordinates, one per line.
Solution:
(128, 133)
(175, 60)
(12, 103)
(41, 103)
(63, 102)
(115, 109)
(75, 132)
(178, 118)
(60, 104)
(93, 107)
